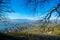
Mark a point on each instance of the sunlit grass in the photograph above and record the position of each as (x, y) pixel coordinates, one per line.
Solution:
(39, 30)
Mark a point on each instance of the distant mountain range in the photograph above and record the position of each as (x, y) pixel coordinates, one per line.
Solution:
(16, 22)
(21, 24)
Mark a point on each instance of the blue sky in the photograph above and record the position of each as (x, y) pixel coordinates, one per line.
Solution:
(22, 12)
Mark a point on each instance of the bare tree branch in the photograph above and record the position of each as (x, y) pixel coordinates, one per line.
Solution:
(4, 8)
(50, 14)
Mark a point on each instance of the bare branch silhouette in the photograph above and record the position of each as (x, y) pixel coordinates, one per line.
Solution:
(4, 8)
(34, 3)
(50, 14)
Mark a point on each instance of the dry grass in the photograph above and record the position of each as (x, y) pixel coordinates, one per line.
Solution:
(37, 30)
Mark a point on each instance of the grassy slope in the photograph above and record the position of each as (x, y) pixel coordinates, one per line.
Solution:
(9, 37)
(39, 31)
(35, 33)
(28, 37)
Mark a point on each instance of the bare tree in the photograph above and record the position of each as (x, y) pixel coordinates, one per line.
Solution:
(35, 3)
(56, 9)
(4, 8)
